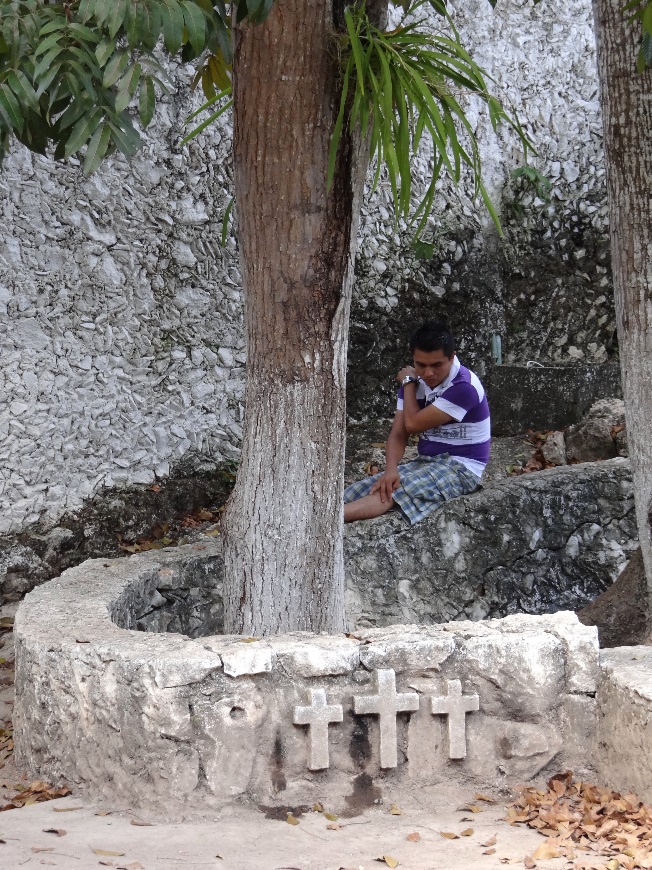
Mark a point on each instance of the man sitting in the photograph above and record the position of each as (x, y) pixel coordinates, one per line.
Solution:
(446, 404)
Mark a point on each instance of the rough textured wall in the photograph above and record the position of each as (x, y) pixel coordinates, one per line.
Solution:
(120, 320)
(121, 346)
(546, 288)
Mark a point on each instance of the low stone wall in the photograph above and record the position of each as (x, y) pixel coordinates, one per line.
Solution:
(547, 397)
(537, 543)
(166, 722)
(624, 728)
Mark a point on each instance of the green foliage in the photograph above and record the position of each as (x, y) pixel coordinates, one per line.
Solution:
(641, 11)
(401, 84)
(532, 179)
(70, 71)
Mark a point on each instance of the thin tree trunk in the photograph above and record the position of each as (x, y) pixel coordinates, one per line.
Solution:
(627, 114)
(283, 525)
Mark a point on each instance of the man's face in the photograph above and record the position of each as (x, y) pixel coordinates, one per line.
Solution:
(433, 367)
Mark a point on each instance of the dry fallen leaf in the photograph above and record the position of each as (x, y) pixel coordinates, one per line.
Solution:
(333, 827)
(529, 862)
(449, 835)
(135, 865)
(108, 853)
(546, 851)
(395, 811)
(318, 808)
(331, 817)
(67, 809)
(292, 820)
(483, 797)
(612, 865)
(490, 842)
(489, 852)
(139, 824)
(472, 808)
(414, 837)
(42, 849)
(467, 832)
(391, 862)
(58, 831)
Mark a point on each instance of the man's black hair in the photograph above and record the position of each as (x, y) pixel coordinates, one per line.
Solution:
(433, 335)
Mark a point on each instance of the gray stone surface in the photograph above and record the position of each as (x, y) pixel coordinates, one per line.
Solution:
(548, 397)
(386, 703)
(534, 543)
(595, 436)
(318, 715)
(554, 449)
(455, 706)
(156, 721)
(624, 723)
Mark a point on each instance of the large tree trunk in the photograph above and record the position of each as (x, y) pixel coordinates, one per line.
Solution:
(283, 525)
(627, 113)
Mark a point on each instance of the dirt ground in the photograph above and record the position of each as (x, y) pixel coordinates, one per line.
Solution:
(243, 839)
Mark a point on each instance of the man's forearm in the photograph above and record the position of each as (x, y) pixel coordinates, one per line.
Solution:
(394, 450)
(410, 406)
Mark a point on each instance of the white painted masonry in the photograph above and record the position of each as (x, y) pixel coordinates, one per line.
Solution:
(121, 345)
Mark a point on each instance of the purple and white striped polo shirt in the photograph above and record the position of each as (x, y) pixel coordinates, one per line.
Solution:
(468, 436)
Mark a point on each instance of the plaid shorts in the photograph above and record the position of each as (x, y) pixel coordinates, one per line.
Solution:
(426, 483)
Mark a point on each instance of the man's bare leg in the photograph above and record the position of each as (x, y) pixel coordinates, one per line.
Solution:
(366, 508)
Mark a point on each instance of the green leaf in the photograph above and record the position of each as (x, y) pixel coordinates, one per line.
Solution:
(12, 106)
(115, 68)
(125, 137)
(23, 89)
(86, 10)
(205, 123)
(97, 148)
(47, 79)
(646, 47)
(84, 33)
(46, 62)
(116, 16)
(195, 23)
(104, 50)
(146, 101)
(127, 87)
(82, 131)
(46, 45)
(172, 16)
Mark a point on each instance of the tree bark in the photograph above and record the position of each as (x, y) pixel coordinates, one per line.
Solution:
(627, 118)
(283, 525)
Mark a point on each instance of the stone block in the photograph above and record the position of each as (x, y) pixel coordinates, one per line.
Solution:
(240, 658)
(624, 720)
(554, 449)
(408, 653)
(521, 673)
(317, 656)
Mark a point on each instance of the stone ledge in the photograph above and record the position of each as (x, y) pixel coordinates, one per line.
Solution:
(174, 723)
(542, 542)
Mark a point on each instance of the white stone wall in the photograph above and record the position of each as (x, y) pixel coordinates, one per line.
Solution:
(121, 345)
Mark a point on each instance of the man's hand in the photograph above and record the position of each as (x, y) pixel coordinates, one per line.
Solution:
(386, 485)
(408, 370)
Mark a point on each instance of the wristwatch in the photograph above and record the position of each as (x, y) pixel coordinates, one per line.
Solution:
(409, 379)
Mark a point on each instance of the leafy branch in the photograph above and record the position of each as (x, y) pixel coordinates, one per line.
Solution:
(401, 84)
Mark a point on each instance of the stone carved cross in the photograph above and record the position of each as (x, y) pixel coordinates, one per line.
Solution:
(455, 705)
(386, 704)
(317, 716)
